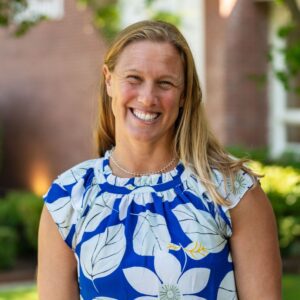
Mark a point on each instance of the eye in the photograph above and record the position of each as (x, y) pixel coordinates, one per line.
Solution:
(164, 84)
(134, 79)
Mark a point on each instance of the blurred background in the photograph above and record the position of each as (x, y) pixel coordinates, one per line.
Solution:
(247, 54)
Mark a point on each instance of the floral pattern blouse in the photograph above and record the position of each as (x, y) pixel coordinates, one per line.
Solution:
(151, 237)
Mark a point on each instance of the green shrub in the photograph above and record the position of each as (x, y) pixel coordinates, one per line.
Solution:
(8, 249)
(282, 185)
(288, 158)
(21, 211)
(30, 209)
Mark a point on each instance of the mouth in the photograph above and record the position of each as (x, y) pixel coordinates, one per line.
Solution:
(145, 116)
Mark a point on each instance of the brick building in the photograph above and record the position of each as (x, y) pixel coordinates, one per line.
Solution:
(49, 80)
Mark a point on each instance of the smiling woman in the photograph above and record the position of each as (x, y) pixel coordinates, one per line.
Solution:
(146, 88)
(164, 212)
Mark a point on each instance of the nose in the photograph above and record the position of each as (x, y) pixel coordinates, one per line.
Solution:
(147, 95)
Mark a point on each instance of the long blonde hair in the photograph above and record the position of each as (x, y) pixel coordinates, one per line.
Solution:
(194, 143)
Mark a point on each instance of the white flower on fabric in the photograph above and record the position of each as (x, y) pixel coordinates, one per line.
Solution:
(104, 298)
(239, 184)
(168, 282)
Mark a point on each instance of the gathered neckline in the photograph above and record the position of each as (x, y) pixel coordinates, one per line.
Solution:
(163, 181)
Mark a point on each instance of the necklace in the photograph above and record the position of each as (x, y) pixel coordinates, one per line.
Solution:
(135, 174)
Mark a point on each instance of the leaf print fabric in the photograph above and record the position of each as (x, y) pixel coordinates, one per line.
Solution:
(200, 227)
(151, 237)
(150, 234)
(168, 281)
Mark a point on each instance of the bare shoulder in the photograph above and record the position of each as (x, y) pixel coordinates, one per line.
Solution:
(254, 206)
(254, 247)
(57, 275)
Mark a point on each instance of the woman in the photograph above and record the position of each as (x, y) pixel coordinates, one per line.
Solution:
(165, 212)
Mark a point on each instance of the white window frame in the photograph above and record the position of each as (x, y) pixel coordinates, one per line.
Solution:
(52, 9)
(280, 114)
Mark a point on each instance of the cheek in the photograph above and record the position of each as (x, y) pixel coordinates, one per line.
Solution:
(172, 101)
(122, 98)
(128, 93)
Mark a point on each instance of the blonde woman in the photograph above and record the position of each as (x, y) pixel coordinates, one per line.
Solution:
(164, 212)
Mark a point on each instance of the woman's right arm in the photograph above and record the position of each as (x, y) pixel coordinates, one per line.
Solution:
(57, 266)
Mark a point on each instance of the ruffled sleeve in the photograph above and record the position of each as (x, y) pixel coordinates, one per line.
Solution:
(242, 183)
(66, 201)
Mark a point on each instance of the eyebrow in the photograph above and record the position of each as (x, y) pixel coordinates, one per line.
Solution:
(170, 77)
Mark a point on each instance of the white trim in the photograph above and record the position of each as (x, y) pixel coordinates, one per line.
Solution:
(276, 92)
(280, 115)
(292, 116)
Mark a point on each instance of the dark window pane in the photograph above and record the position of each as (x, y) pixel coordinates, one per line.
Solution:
(293, 100)
(293, 133)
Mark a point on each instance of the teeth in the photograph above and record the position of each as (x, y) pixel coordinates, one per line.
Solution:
(144, 116)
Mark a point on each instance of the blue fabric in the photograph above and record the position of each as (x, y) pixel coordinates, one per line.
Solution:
(150, 237)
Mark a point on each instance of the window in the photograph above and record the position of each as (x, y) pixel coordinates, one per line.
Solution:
(284, 107)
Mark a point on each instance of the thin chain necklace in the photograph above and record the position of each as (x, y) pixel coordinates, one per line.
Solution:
(135, 174)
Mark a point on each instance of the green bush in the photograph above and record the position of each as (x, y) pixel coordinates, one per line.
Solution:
(30, 209)
(21, 211)
(288, 158)
(282, 185)
(8, 249)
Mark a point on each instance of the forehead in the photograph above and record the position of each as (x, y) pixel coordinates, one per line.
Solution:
(150, 55)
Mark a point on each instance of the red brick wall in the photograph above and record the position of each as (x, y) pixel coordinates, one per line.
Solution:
(236, 49)
(48, 82)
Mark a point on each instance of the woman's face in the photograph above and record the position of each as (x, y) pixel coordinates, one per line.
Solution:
(146, 88)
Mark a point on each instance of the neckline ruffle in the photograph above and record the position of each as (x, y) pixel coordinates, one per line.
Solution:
(162, 181)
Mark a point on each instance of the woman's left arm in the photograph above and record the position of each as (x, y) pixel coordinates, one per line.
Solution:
(255, 249)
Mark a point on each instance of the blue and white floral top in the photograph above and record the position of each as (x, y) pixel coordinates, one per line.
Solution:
(151, 237)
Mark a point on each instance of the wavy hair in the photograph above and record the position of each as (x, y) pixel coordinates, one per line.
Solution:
(194, 142)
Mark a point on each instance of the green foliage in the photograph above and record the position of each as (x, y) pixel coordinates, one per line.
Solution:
(9, 9)
(282, 185)
(8, 249)
(284, 78)
(290, 286)
(24, 26)
(290, 33)
(21, 211)
(288, 158)
(107, 15)
(107, 19)
(285, 30)
(167, 17)
(23, 292)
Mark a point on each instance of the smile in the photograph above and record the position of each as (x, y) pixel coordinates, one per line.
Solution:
(144, 116)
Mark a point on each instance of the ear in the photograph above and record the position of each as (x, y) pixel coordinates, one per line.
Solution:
(108, 80)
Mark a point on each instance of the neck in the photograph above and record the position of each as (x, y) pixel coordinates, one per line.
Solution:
(142, 158)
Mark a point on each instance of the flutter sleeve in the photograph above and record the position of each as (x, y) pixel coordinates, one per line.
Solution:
(234, 193)
(65, 201)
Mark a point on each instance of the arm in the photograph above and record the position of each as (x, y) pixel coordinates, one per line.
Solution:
(255, 249)
(57, 268)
